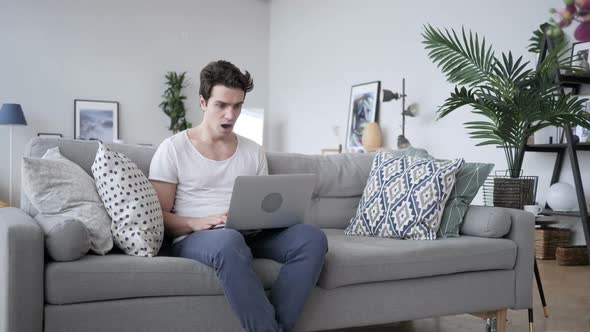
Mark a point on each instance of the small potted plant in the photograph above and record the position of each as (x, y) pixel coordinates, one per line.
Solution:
(173, 104)
(514, 98)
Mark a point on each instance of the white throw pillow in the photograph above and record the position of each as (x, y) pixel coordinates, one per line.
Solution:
(404, 197)
(131, 201)
(58, 187)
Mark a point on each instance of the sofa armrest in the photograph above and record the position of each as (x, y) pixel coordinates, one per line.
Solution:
(21, 272)
(522, 232)
(516, 225)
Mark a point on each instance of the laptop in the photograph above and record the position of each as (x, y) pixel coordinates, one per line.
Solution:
(269, 201)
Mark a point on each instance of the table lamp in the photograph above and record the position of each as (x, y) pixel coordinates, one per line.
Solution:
(11, 114)
(411, 111)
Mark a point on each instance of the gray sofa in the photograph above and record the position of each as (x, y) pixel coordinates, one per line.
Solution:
(365, 281)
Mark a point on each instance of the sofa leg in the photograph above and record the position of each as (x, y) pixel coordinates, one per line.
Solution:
(495, 320)
(541, 293)
(501, 318)
(531, 321)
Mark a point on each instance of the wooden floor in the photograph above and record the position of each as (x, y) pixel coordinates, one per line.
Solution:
(567, 290)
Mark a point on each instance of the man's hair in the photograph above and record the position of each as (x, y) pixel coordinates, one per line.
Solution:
(223, 73)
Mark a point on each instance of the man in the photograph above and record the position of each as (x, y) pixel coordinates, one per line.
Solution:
(193, 173)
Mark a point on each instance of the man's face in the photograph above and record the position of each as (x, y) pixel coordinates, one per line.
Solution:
(222, 109)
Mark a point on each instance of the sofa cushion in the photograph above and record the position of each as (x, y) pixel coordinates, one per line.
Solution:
(131, 201)
(358, 259)
(339, 175)
(404, 197)
(59, 187)
(485, 222)
(470, 178)
(332, 212)
(66, 238)
(118, 276)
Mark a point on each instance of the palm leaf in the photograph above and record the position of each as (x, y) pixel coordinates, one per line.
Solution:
(463, 60)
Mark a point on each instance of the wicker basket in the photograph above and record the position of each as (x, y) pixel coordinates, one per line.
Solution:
(572, 255)
(504, 191)
(547, 239)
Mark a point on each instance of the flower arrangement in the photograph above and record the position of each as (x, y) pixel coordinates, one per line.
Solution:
(575, 10)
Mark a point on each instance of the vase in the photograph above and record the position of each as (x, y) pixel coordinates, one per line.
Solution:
(371, 137)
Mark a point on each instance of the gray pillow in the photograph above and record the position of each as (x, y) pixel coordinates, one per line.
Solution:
(486, 222)
(57, 186)
(468, 181)
(66, 238)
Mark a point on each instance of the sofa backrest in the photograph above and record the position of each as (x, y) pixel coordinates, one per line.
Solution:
(82, 153)
(341, 177)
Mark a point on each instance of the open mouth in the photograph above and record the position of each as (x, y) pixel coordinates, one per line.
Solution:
(226, 126)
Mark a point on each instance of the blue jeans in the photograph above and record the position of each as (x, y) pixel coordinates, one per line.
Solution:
(301, 248)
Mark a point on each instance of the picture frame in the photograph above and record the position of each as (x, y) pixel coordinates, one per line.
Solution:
(96, 120)
(579, 58)
(583, 133)
(363, 108)
(49, 135)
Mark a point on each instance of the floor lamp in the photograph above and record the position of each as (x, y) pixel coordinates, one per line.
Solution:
(411, 111)
(11, 114)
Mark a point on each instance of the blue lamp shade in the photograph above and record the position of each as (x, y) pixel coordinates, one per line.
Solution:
(12, 114)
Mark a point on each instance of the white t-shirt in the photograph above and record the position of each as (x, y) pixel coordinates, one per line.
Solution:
(204, 186)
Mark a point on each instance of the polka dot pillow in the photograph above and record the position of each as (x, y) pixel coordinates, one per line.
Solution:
(131, 201)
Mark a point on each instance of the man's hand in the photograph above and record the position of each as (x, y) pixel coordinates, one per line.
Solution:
(208, 222)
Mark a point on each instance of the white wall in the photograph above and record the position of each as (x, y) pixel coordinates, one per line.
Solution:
(52, 52)
(304, 56)
(319, 48)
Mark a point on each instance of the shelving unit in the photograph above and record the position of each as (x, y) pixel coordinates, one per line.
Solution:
(561, 149)
(549, 212)
(555, 147)
(574, 82)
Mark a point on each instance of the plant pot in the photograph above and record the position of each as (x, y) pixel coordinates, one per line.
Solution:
(514, 193)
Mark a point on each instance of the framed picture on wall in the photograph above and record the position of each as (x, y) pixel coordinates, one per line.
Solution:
(581, 132)
(49, 135)
(579, 58)
(363, 108)
(96, 120)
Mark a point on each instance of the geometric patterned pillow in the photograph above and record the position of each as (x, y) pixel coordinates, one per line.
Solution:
(131, 201)
(469, 179)
(404, 197)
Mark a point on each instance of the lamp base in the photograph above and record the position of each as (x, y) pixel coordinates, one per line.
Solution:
(402, 142)
(372, 149)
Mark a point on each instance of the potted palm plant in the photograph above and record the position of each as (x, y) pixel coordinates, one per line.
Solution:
(173, 104)
(514, 98)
